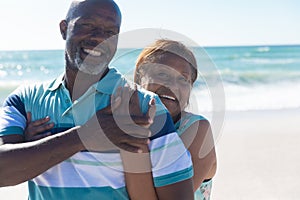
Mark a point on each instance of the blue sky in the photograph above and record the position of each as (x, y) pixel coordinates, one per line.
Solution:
(33, 24)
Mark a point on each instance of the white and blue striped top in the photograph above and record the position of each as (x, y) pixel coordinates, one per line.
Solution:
(92, 175)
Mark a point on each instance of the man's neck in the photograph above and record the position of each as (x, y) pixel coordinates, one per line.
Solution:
(78, 82)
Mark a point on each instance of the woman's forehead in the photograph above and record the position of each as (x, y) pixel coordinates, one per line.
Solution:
(153, 68)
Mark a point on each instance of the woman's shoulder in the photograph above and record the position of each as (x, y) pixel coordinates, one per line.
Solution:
(188, 116)
(187, 119)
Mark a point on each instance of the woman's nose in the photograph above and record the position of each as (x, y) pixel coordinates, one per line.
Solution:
(172, 84)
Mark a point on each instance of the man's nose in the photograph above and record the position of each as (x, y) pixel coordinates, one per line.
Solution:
(98, 34)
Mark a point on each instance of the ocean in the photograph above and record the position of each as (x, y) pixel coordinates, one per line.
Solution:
(253, 77)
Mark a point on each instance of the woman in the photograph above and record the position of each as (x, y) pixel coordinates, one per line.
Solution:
(169, 69)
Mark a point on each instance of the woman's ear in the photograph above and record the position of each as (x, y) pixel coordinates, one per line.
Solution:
(63, 25)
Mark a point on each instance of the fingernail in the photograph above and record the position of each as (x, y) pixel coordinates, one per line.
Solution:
(117, 99)
(140, 151)
(152, 102)
(148, 141)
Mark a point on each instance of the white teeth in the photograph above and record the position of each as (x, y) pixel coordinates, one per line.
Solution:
(92, 52)
(167, 97)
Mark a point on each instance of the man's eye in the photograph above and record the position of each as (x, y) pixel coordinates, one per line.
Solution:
(110, 32)
(86, 25)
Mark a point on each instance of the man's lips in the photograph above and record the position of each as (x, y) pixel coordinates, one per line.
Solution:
(92, 52)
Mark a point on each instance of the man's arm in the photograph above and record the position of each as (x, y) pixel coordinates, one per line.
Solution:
(21, 161)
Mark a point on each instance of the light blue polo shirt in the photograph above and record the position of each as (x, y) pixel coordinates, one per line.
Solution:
(92, 175)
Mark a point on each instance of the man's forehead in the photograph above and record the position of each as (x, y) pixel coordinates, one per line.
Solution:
(108, 4)
(87, 8)
(79, 1)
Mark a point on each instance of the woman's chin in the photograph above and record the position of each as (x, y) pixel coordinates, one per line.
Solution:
(173, 107)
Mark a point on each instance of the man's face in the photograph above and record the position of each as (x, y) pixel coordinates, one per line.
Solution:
(92, 36)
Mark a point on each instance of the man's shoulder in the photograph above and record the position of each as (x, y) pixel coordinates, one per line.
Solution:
(28, 91)
(36, 87)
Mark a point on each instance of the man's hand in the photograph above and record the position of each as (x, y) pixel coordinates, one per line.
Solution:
(37, 129)
(121, 125)
(128, 111)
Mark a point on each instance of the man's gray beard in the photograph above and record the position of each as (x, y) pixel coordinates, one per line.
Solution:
(89, 69)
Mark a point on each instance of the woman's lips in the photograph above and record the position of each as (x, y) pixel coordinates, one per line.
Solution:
(167, 97)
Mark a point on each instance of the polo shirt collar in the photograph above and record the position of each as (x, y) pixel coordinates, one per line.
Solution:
(107, 85)
(110, 82)
(57, 83)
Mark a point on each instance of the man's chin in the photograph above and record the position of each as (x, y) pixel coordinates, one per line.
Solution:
(90, 65)
(92, 70)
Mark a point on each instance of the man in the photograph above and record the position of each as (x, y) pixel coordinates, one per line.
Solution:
(79, 159)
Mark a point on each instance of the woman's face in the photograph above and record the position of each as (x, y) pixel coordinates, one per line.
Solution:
(170, 79)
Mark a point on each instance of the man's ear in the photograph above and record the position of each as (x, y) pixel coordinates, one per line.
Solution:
(63, 25)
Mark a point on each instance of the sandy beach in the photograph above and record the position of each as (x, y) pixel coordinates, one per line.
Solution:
(258, 158)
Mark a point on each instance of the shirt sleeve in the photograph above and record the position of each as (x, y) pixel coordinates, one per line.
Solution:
(12, 116)
(186, 121)
(171, 161)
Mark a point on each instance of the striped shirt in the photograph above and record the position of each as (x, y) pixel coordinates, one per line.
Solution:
(92, 175)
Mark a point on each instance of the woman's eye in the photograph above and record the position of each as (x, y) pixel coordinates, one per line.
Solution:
(162, 75)
(183, 80)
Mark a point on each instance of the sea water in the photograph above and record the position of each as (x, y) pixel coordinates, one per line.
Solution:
(252, 77)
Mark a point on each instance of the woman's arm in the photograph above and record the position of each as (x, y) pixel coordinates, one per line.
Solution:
(138, 176)
(140, 185)
(198, 138)
(138, 170)
(139, 180)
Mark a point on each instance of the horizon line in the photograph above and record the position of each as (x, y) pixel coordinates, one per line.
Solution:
(204, 46)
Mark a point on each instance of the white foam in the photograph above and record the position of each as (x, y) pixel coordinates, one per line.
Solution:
(263, 49)
(270, 60)
(281, 95)
(3, 73)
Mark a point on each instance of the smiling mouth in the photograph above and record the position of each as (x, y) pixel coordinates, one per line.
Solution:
(92, 52)
(167, 97)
